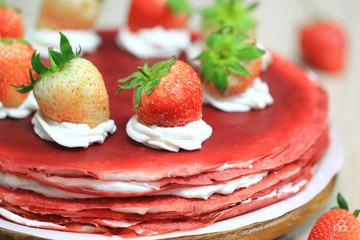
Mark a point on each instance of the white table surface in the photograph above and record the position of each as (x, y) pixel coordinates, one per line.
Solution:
(279, 21)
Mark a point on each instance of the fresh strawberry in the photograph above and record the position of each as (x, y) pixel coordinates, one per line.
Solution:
(71, 90)
(170, 14)
(168, 94)
(11, 22)
(15, 62)
(322, 44)
(337, 223)
(234, 13)
(69, 14)
(230, 64)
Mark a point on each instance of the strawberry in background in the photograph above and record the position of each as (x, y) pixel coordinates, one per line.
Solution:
(15, 62)
(69, 14)
(170, 14)
(338, 223)
(11, 24)
(323, 45)
(156, 28)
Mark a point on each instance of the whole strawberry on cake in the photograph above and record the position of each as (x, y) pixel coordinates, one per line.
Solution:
(156, 28)
(73, 101)
(168, 104)
(76, 19)
(15, 62)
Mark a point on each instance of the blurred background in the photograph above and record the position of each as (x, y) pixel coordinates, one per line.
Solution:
(278, 28)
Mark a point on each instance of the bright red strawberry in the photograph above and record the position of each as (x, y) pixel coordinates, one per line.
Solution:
(230, 64)
(71, 90)
(170, 14)
(69, 14)
(15, 62)
(322, 44)
(337, 223)
(11, 22)
(168, 94)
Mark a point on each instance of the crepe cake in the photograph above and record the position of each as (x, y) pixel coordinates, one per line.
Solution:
(251, 160)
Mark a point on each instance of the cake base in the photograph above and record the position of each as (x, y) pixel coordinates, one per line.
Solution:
(270, 229)
(265, 223)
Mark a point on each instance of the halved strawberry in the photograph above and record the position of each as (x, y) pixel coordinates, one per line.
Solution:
(11, 22)
(322, 44)
(230, 64)
(168, 94)
(170, 14)
(71, 90)
(338, 223)
(234, 13)
(15, 62)
(69, 14)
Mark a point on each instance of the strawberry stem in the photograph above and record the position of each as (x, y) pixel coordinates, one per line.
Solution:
(142, 70)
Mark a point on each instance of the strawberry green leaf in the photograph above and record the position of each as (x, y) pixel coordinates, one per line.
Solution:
(227, 51)
(220, 79)
(237, 68)
(37, 65)
(233, 13)
(57, 60)
(342, 202)
(146, 78)
(356, 213)
(249, 53)
(179, 6)
(137, 98)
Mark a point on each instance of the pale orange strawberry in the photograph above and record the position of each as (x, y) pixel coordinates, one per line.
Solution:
(230, 64)
(71, 90)
(69, 14)
(15, 62)
(11, 24)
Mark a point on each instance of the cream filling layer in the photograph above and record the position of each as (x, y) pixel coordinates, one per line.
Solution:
(42, 39)
(255, 97)
(71, 134)
(13, 181)
(188, 137)
(25, 109)
(153, 42)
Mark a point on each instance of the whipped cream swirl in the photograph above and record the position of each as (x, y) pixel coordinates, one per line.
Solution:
(25, 109)
(42, 39)
(153, 42)
(71, 134)
(188, 137)
(255, 97)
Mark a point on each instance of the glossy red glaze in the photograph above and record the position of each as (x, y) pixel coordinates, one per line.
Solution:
(281, 132)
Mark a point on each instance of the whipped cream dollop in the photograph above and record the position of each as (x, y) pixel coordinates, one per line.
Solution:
(25, 109)
(255, 97)
(188, 137)
(42, 39)
(71, 134)
(12, 181)
(153, 42)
